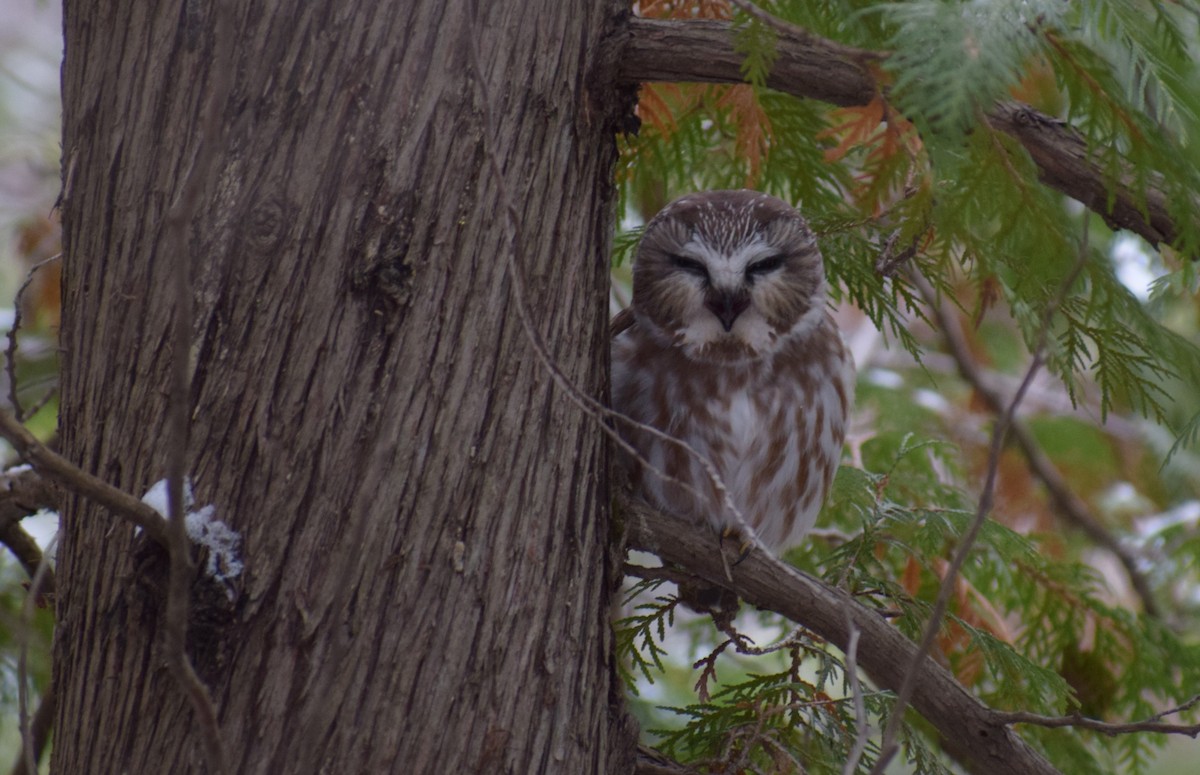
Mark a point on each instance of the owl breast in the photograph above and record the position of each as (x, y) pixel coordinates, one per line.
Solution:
(772, 430)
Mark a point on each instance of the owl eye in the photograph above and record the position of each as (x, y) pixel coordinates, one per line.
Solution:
(764, 267)
(691, 266)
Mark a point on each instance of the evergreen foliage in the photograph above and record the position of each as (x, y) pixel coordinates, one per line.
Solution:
(920, 181)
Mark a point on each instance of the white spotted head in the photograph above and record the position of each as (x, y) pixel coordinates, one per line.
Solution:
(729, 275)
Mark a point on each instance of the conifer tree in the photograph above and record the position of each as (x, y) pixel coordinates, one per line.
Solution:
(340, 271)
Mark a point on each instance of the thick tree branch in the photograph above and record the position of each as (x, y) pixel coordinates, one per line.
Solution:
(703, 50)
(26, 550)
(1065, 164)
(23, 491)
(974, 734)
(815, 68)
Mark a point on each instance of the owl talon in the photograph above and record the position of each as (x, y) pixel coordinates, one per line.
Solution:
(744, 545)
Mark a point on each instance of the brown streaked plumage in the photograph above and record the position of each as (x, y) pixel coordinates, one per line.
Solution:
(729, 347)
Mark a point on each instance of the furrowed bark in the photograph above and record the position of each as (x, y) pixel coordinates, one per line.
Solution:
(424, 519)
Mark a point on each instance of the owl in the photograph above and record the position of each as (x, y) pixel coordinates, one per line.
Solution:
(729, 347)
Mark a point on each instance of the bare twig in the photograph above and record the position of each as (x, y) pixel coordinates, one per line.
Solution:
(61, 470)
(41, 402)
(1082, 722)
(175, 238)
(1188, 704)
(1154, 724)
(34, 743)
(966, 544)
(1067, 504)
(860, 707)
(10, 354)
(744, 644)
(888, 746)
(29, 745)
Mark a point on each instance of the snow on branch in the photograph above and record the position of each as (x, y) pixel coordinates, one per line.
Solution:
(222, 542)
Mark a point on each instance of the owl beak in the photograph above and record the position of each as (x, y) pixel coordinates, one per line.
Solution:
(727, 305)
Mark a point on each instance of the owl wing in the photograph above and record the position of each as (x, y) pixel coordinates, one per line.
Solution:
(621, 322)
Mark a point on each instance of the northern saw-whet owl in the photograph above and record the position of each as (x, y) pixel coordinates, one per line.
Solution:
(729, 346)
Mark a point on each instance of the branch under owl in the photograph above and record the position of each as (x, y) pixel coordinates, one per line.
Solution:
(973, 733)
(812, 67)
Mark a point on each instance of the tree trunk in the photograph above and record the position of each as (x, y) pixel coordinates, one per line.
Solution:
(424, 515)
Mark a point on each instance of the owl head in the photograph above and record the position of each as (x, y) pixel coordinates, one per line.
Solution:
(728, 275)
